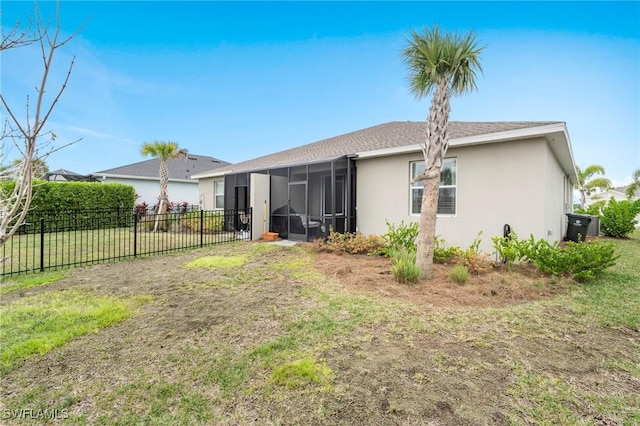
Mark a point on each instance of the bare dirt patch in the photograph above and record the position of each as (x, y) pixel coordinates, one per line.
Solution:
(498, 287)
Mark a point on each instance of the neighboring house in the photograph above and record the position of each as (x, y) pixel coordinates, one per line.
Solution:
(619, 193)
(145, 177)
(494, 173)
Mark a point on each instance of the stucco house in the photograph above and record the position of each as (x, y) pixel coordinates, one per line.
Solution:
(144, 176)
(495, 173)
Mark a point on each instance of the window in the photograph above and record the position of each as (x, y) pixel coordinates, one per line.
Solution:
(340, 195)
(447, 197)
(218, 194)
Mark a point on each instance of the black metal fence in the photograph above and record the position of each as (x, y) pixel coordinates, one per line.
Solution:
(84, 237)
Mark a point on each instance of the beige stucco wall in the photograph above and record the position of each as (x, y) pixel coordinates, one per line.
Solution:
(556, 205)
(205, 191)
(514, 182)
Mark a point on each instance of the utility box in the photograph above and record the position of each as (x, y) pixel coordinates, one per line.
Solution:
(578, 227)
(594, 227)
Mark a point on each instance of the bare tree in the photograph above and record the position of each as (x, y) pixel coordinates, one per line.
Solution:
(29, 136)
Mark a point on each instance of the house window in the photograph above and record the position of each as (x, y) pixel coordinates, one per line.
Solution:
(340, 195)
(448, 187)
(218, 194)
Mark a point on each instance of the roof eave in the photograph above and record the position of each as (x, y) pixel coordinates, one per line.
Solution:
(101, 176)
(549, 131)
(210, 174)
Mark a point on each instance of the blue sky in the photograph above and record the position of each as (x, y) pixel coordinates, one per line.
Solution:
(238, 80)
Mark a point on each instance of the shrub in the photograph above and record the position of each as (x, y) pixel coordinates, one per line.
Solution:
(459, 274)
(351, 243)
(592, 209)
(442, 254)
(619, 218)
(509, 249)
(473, 259)
(400, 236)
(212, 222)
(142, 209)
(404, 267)
(82, 205)
(581, 261)
(587, 260)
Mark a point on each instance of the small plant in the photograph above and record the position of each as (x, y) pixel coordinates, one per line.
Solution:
(141, 209)
(476, 261)
(404, 267)
(351, 243)
(400, 235)
(459, 274)
(509, 249)
(442, 254)
(619, 218)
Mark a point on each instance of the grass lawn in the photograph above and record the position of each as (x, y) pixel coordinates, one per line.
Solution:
(256, 333)
(60, 249)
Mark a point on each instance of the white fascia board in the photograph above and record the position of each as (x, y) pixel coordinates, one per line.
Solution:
(210, 174)
(112, 176)
(472, 140)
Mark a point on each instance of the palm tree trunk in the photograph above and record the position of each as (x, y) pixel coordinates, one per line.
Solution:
(164, 183)
(427, 227)
(434, 150)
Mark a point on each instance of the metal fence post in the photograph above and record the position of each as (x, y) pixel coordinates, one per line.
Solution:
(250, 223)
(135, 234)
(42, 244)
(201, 228)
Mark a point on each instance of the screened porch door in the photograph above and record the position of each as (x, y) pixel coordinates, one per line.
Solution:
(297, 211)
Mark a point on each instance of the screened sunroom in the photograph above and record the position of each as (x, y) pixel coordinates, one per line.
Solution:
(299, 201)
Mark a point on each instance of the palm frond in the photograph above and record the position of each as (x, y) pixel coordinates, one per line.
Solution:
(432, 55)
(598, 183)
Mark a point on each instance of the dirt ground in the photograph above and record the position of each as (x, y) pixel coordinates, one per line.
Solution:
(429, 354)
(496, 287)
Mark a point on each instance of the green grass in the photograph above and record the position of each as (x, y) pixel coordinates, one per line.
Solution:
(217, 262)
(301, 372)
(612, 298)
(37, 324)
(93, 246)
(23, 282)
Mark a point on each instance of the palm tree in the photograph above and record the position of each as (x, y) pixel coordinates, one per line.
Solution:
(635, 185)
(587, 184)
(445, 64)
(163, 151)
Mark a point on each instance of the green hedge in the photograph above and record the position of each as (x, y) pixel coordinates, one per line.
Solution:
(85, 199)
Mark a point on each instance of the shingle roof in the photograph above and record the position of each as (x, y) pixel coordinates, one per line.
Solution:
(179, 168)
(388, 135)
(623, 190)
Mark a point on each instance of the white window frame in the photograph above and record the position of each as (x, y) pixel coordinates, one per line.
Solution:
(217, 194)
(418, 185)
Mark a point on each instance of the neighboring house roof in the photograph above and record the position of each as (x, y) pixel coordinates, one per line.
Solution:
(619, 192)
(66, 175)
(406, 136)
(179, 168)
